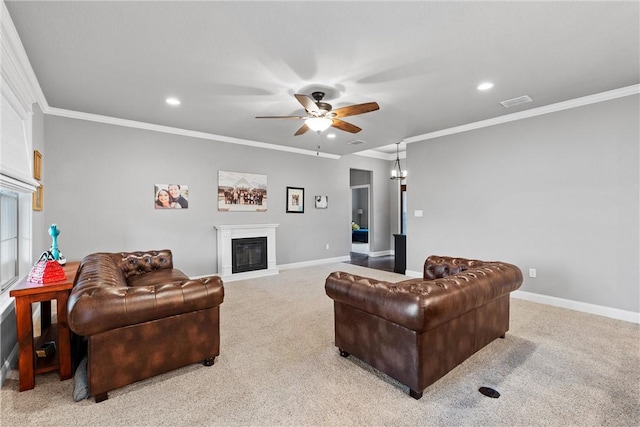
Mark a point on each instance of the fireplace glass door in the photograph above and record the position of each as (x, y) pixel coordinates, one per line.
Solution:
(248, 254)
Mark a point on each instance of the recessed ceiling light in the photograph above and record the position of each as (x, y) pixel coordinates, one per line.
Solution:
(172, 101)
(485, 86)
(331, 135)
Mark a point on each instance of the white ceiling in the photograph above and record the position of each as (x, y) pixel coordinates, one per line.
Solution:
(231, 61)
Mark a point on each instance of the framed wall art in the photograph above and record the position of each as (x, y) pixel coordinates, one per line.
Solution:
(37, 165)
(322, 202)
(171, 196)
(37, 199)
(239, 191)
(295, 200)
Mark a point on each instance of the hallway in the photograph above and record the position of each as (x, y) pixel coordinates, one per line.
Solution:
(385, 263)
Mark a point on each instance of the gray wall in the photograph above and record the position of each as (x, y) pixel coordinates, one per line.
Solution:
(99, 190)
(40, 241)
(99, 179)
(557, 192)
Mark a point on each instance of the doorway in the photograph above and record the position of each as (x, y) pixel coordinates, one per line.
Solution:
(360, 219)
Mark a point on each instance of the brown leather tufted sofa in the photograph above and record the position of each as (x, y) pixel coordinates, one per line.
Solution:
(417, 330)
(141, 317)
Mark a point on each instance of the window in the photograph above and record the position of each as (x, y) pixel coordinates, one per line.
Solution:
(8, 239)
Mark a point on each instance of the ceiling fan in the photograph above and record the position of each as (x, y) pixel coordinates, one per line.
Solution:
(320, 115)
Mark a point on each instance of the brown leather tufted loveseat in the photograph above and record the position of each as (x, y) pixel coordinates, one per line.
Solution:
(417, 330)
(141, 317)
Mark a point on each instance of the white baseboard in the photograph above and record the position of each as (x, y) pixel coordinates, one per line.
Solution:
(380, 253)
(314, 262)
(613, 313)
(414, 274)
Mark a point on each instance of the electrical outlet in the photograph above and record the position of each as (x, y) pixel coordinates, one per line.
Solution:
(532, 272)
(327, 247)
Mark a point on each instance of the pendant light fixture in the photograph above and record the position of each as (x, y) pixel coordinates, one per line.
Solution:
(397, 172)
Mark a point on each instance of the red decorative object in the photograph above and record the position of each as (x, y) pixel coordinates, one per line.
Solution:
(46, 270)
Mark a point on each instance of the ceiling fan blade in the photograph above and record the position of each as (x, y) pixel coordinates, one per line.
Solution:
(347, 127)
(308, 103)
(281, 117)
(352, 110)
(302, 130)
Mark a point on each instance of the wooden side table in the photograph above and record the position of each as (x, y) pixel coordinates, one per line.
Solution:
(27, 293)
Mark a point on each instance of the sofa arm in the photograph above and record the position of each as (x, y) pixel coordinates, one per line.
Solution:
(97, 305)
(437, 267)
(141, 262)
(377, 297)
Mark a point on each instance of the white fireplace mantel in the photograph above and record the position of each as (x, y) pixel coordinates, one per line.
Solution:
(225, 233)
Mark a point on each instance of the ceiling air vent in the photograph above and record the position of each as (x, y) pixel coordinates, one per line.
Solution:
(356, 142)
(516, 101)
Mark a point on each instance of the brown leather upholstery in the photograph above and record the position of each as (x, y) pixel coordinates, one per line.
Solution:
(417, 330)
(142, 317)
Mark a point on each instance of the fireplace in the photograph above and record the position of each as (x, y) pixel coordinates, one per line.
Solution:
(257, 259)
(248, 254)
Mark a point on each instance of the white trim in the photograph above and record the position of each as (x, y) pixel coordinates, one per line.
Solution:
(18, 185)
(16, 67)
(184, 132)
(382, 155)
(376, 155)
(613, 313)
(414, 274)
(314, 262)
(551, 108)
(246, 275)
(380, 253)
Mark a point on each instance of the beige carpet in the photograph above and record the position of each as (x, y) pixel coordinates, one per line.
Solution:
(278, 366)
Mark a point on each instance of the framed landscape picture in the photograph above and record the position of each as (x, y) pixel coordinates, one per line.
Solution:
(240, 191)
(295, 200)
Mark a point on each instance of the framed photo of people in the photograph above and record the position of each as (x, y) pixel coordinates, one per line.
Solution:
(241, 191)
(171, 196)
(295, 200)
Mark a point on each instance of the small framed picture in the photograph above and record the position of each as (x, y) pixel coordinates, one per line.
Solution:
(37, 165)
(295, 200)
(38, 198)
(321, 202)
(171, 196)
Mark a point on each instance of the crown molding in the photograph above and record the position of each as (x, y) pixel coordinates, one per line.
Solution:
(551, 108)
(381, 155)
(183, 132)
(16, 68)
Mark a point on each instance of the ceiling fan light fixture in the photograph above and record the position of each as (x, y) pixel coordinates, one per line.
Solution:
(318, 124)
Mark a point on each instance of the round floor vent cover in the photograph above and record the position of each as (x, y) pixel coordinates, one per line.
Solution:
(489, 392)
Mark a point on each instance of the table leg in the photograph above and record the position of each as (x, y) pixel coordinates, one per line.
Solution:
(45, 315)
(64, 336)
(24, 327)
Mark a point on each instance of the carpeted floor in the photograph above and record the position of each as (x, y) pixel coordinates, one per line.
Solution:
(278, 366)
